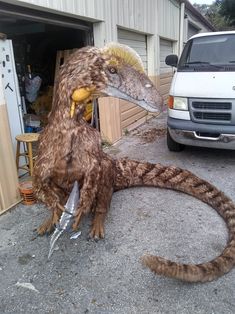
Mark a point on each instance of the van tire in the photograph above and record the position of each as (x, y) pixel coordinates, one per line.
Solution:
(172, 145)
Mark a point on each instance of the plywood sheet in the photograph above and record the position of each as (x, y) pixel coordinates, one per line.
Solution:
(110, 125)
(9, 193)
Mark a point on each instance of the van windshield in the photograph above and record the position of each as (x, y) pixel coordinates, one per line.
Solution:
(209, 53)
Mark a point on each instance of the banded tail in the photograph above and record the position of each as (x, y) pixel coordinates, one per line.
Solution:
(133, 173)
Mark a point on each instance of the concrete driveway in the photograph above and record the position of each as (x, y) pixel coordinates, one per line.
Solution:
(106, 276)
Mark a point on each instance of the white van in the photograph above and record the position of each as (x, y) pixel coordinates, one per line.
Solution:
(201, 105)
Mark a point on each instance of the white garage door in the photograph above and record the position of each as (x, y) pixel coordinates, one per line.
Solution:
(132, 115)
(136, 41)
(166, 72)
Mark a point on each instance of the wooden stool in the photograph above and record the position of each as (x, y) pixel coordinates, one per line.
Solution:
(28, 139)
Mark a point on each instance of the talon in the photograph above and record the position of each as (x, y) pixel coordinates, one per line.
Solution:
(61, 207)
(77, 220)
(96, 239)
(89, 237)
(49, 225)
(45, 229)
(75, 227)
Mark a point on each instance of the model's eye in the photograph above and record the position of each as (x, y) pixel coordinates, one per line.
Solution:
(112, 70)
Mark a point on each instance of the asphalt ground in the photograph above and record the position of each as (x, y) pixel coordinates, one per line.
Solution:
(107, 276)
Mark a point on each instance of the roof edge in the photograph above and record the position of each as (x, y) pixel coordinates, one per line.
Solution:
(192, 9)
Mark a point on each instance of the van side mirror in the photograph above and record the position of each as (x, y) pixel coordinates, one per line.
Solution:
(171, 60)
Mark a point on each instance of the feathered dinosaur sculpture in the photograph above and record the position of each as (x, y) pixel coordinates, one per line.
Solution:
(70, 150)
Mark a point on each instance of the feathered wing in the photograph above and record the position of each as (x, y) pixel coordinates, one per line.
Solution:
(133, 173)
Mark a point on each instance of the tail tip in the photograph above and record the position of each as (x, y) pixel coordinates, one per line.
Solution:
(149, 261)
(159, 265)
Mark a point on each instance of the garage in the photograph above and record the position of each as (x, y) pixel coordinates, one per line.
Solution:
(131, 113)
(166, 72)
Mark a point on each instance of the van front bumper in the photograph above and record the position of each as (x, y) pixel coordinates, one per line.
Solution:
(198, 134)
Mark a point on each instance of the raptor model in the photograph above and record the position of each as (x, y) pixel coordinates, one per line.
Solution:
(70, 150)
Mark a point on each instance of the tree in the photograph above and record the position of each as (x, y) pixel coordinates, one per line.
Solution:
(227, 9)
(218, 20)
(202, 8)
(213, 14)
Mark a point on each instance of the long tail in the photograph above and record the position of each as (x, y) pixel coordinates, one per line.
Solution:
(133, 173)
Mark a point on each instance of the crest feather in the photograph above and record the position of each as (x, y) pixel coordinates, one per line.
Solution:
(125, 53)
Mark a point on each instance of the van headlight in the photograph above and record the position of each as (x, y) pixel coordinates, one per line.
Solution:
(178, 103)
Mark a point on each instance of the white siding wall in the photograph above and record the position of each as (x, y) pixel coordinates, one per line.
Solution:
(91, 9)
(133, 14)
(137, 14)
(168, 18)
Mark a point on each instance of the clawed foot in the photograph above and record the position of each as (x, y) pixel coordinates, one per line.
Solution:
(46, 228)
(49, 225)
(97, 229)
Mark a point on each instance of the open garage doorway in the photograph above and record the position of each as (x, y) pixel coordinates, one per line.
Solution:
(33, 46)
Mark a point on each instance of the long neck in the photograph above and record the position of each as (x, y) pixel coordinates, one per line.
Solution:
(61, 107)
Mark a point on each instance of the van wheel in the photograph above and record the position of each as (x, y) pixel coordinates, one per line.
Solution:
(172, 145)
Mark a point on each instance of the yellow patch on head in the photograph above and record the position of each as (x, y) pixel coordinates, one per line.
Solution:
(125, 53)
(113, 62)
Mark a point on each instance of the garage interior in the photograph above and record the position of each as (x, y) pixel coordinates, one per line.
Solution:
(41, 42)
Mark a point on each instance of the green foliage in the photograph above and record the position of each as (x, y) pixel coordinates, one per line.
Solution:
(202, 8)
(217, 19)
(215, 14)
(227, 9)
